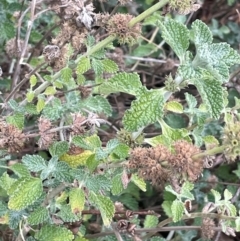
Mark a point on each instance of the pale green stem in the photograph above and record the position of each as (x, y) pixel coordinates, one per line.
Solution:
(148, 12)
(210, 152)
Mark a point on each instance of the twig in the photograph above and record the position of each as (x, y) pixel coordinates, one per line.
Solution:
(29, 28)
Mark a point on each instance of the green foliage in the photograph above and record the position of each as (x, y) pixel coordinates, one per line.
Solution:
(74, 159)
(147, 109)
(24, 192)
(52, 232)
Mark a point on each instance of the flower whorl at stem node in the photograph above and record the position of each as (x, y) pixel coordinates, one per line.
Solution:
(118, 25)
(11, 138)
(207, 230)
(158, 164)
(184, 6)
(231, 140)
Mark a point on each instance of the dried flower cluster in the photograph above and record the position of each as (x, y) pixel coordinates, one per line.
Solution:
(14, 48)
(183, 163)
(207, 230)
(11, 138)
(78, 10)
(231, 140)
(118, 25)
(158, 164)
(46, 137)
(55, 56)
(184, 6)
(78, 19)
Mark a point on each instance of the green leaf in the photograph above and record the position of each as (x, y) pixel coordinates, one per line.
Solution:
(109, 66)
(151, 221)
(33, 80)
(40, 104)
(237, 223)
(191, 100)
(97, 104)
(40, 215)
(187, 186)
(177, 209)
(66, 74)
(117, 186)
(200, 33)
(122, 82)
(26, 193)
(139, 182)
(3, 209)
(105, 206)
(166, 205)
(212, 95)
(98, 183)
(97, 66)
(30, 95)
(6, 182)
(66, 214)
(147, 109)
(50, 90)
(217, 59)
(16, 120)
(83, 65)
(176, 35)
(54, 233)
(76, 200)
(20, 170)
(216, 195)
(34, 163)
(174, 106)
(227, 195)
(121, 151)
(54, 109)
(59, 148)
(62, 172)
(31, 109)
(58, 84)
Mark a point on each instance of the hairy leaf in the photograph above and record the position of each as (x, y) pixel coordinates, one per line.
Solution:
(16, 119)
(59, 148)
(105, 205)
(6, 182)
(26, 193)
(97, 104)
(83, 65)
(54, 233)
(20, 170)
(150, 221)
(200, 33)
(66, 214)
(174, 106)
(121, 82)
(147, 109)
(117, 185)
(177, 209)
(109, 66)
(139, 182)
(212, 94)
(76, 200)
(176, 35)
(40, 215)
(66, 74)
(34, 163)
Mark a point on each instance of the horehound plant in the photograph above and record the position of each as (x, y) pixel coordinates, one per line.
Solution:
(59, 181)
